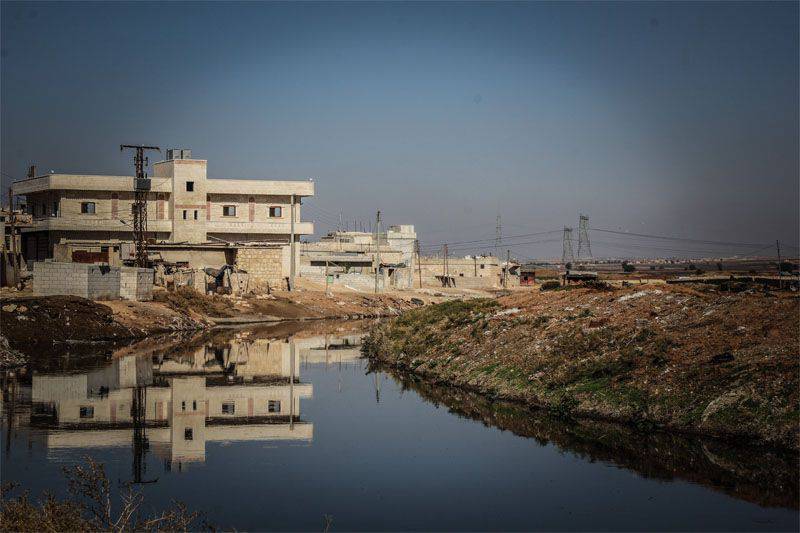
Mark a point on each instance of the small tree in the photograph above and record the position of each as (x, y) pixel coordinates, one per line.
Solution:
(627, 267)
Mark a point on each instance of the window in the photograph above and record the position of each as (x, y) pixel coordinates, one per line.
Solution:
(185, 212)
(87, 208)
(188, 434)
(55, 208)
(189, 186)
(275, 212)
(194, 405)
(87, 411)
(274, 406)
(195, 214)
(183, 406)
(229, 210)
(483, 266)
(228, 408)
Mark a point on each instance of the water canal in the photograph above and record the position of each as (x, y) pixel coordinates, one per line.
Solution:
(276, 428)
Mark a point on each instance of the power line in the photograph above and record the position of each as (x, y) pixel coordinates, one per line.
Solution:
(438, 245)
(682, 239)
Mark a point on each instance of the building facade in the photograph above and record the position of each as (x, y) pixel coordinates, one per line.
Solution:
(183, 206)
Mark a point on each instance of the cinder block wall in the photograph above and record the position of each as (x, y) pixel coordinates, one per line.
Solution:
(264, 266)
(136, 284)
(96, 282)
(103, 282)
(51, 278)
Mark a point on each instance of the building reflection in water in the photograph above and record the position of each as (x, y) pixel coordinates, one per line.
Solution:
(173, 403)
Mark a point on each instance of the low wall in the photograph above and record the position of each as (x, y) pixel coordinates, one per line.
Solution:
(95, 282)
(264, 266)
(136, 284)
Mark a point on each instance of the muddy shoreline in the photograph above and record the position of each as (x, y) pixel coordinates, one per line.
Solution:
(32, 326)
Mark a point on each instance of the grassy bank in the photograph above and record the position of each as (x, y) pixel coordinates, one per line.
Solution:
(724, 365)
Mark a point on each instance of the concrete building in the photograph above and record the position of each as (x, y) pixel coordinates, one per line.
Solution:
(466, 272)
(350, 257)
(184, 207)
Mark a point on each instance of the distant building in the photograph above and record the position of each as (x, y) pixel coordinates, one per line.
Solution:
(184, 207)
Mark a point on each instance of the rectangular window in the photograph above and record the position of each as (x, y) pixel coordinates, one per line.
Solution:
(228, 408)
(87, 411)
(55, 208)
(275, 212)
(229, 210)
(188, 434)
(189, 186)
(195, 214)
(185, 214)
(87, 208)
(183, 406)
(274, 406)
(483, 266)
(194, 405)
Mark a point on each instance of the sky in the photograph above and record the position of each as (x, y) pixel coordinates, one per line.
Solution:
(670, 119)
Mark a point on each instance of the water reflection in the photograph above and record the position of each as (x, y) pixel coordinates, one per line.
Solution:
(764, 476)
(180, 400)
(172, 396)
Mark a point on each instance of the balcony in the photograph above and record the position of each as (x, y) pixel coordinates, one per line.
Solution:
(278, 228)
(93, 223)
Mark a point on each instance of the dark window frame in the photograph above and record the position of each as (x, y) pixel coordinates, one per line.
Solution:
(85, 209)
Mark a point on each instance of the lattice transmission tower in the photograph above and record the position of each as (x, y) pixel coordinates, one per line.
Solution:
(566, 247)
(584, 248)
(141, 188)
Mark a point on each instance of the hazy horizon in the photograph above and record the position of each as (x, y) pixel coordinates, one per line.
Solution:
(676, 119)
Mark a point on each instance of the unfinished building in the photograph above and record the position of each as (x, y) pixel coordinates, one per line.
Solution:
(192, 219)
(350, 258)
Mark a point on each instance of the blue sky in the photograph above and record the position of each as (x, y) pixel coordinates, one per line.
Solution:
(674, 119)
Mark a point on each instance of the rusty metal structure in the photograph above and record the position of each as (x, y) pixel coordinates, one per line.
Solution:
(141, 188)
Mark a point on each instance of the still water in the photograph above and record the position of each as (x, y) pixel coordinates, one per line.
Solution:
(276, 428)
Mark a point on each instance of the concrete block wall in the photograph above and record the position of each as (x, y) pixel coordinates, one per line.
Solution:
(102, 282)
(51, 278)
(136, 284)
(95, 282)
(264, 265)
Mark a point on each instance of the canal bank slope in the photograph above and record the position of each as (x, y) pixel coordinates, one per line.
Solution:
(705, 362)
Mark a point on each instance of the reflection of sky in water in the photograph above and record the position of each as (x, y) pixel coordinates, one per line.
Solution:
(401, 463)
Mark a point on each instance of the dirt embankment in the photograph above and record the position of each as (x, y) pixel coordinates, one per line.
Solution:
(34, 325)
(723, 365)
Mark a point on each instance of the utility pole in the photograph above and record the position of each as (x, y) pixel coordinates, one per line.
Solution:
(141, 186)
(445, 267)
(291, 246)
(419, 262)
(327, 279)
(12, 218)
(377, 248)
(498, 236)
(780, 273)
(505, 272)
